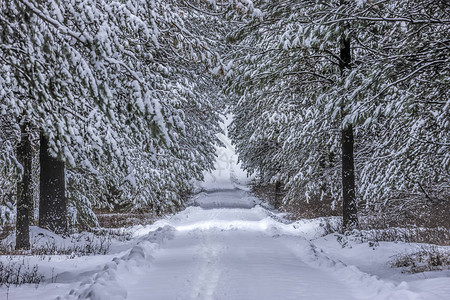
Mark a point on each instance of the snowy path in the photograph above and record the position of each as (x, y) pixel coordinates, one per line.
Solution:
(228, 246)
(225, 253)
(231, 248)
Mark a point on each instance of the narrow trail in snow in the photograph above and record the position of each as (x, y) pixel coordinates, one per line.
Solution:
(231, 252)
(227, 253)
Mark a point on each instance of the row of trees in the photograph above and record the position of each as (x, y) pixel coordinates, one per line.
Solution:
(339, 99)
(345, 99)
(118, 98)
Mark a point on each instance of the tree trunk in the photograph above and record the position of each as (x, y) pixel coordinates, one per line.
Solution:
(52, 202)
(277, 194)
(24, 190)
(349, 211)
(350, 218)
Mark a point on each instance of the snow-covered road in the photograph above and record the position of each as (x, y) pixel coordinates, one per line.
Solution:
(228, 246)
(232, 252)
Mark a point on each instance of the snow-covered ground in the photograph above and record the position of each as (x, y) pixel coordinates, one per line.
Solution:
(228, 245)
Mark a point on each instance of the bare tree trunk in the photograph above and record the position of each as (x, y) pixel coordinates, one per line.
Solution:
(277, 194)
(52, 202)
(24, 189)
(350, 218)
(349, 210)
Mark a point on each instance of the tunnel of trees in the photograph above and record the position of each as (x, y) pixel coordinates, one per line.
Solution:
(116, 105)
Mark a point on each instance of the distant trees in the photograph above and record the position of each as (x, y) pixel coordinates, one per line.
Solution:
(376, 72)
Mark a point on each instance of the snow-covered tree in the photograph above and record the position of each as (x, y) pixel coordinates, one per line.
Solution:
(110, 86)
(8, 159)
(308, 70)
(408, 108)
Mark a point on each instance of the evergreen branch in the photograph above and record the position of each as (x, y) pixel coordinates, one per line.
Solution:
(56, 24)
(384, 19)
(407, 77)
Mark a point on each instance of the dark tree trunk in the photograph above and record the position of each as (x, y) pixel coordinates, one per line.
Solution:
(52, 202)
(277, 194)
(349, 211)
(350, 218)
(24, 190)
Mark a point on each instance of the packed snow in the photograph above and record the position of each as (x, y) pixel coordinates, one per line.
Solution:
(227, 244)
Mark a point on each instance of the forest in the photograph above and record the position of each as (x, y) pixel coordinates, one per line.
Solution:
(112, 112)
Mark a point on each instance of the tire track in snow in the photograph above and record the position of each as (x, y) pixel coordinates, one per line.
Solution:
(207, 279)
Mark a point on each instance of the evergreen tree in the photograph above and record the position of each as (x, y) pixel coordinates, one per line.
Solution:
(309, 69)
(110, 86)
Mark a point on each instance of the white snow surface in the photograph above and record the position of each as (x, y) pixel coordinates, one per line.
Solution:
(229, 245)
